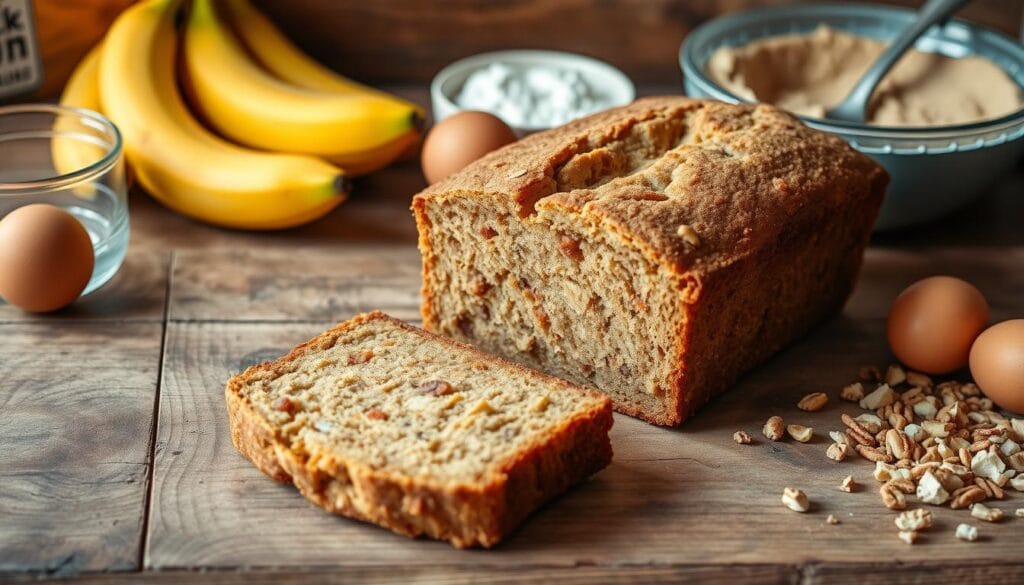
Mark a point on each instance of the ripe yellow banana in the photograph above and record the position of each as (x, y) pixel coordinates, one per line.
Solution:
(278, 55)
(182, 164)
(249, 105)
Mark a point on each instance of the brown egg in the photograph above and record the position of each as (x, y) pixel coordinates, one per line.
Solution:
(997, 364)
(933, 323)
(459, 140)
(46, 258)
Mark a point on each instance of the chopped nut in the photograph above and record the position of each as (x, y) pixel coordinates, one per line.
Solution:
(873, 454)
(436, 388)
(795, 499)
(937, 429)
(869, 374)
(542, 404)
(837, 451)
(1017, 483)
(908, 536)
(285, 404)
(931, 491)
(892, 498)
(1019, 512)
(858, 433)
(987, 464)
(879, 398)
(897, 443)
(902, 484)
(983, 512)
(916, 519)
(919, 380)
(831, 519)
(800, 433)
(360, 358)
(689, 235)
(848, 485)
(482, 407)
(774, 428)
(742, 437)
(967, 532)
(852, 393)
(870, 422)
(970, 495)
(813, 402)
(839, 437)
(915, 432)
(376, 414)
(895, 375)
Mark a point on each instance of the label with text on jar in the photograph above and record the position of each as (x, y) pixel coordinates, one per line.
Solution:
(21, 69)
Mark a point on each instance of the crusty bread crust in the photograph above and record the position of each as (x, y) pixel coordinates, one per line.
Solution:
(465, 514)
(764, 192)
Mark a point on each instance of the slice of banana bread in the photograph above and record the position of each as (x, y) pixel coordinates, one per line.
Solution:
(383, 422)
(655, 251)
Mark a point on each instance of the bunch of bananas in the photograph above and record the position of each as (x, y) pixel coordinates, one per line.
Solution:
(287, 133)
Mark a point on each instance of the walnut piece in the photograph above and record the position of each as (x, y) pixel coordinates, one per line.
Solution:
(742, 437)
(813, 402)
(795, 499)
(800, 433)
(967, 532)
(774, 428)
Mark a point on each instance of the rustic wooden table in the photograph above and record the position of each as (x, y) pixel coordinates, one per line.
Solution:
(116, 464)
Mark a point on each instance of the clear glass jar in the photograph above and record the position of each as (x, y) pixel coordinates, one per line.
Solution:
(71, 158)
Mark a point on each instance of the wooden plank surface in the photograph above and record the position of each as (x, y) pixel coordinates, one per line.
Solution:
(76, 409)
(135, 294)
(685, 496)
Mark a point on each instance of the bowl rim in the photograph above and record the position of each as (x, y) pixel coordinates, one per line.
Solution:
(480, 60)
(79, 175)
(694, 72)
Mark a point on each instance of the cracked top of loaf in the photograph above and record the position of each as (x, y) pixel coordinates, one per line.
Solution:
(693, 182)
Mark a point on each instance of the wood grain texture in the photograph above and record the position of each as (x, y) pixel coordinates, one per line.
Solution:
(410, 40)
(684, 496)
(136, 294)
(76, 406)
(312, 284)
(428, 575)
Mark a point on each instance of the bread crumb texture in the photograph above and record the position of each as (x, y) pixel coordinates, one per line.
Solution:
(654, 251)
(381, 421)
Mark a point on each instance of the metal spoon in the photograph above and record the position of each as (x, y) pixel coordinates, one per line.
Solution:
(854, 107)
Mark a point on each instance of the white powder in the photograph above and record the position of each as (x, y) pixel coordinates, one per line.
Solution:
(535, 96)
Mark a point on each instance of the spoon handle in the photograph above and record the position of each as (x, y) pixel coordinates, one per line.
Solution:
(932, 12)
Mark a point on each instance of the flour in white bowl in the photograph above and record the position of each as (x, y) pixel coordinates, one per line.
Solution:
(535, 96)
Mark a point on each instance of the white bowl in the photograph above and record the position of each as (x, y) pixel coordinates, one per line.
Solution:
(602, 77)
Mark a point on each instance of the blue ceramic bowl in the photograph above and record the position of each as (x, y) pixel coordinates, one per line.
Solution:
(934, 170)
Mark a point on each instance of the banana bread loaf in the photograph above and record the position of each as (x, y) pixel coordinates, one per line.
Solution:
(383, 422)
(655, 251)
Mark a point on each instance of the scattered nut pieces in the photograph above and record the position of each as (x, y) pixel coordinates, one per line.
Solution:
(832, 519)
(837, 451)
(774, 428)
(895, 375)
(919, 380)
(880, 398)
(848, 485)
(852, 393)
(931, 491)
(908, 536)
(813, 402)
(795, 499)
(1019, 512)
(742, 437)
(800, 433)
(1017, 483)
(983, 512)
(916, 519)
(967, 532)
(892, 498)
